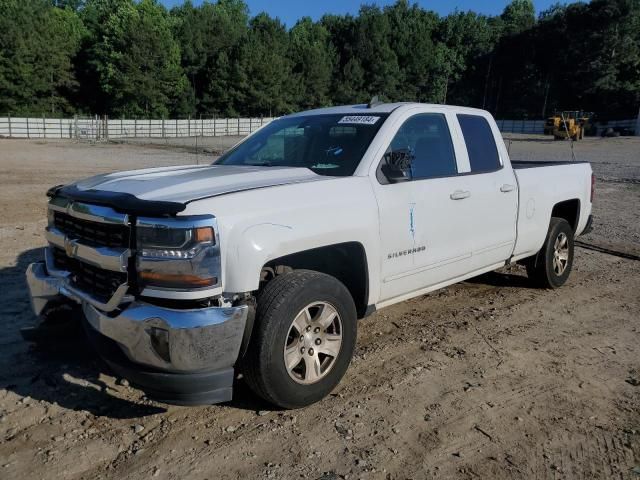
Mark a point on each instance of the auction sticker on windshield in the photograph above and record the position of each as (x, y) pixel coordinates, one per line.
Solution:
(359, 119)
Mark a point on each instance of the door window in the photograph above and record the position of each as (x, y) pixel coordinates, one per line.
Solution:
(481, 146)
(426, 139)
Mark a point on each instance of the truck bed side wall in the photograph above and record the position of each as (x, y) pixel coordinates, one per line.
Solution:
(540, 189)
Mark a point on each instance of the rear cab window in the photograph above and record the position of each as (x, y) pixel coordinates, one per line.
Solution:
(481, 144)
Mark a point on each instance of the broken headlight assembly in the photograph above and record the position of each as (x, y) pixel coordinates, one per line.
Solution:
(177, 255)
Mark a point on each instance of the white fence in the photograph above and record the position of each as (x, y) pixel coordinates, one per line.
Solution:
(102, 128)
(537, 126)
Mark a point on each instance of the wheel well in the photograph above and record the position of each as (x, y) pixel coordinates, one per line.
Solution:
(345, 261)
(569, 210)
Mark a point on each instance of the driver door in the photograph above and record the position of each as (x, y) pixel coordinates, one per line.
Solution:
(425, 239)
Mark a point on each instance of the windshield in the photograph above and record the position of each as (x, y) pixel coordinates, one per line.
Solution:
(326, 144)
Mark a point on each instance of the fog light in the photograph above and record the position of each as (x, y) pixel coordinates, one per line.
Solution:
(160, 342)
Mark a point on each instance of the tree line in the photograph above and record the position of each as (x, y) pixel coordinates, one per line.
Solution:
(137, 59)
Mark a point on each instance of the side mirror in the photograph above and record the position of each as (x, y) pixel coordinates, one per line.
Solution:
(395, 174)
(397, 165)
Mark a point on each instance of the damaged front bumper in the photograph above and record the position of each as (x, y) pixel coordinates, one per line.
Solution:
(177, 356)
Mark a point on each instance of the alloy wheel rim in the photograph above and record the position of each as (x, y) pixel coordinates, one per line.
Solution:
(560, 254)
(313, 343)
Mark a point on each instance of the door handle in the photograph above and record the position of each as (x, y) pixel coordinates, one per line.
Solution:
(460, 195)
(507, 188)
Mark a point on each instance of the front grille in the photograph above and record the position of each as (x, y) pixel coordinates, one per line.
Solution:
(92, 233)
(100, 283)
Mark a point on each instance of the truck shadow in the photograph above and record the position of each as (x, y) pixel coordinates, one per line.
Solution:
(60, 368)
(501, 279)
(245, 399)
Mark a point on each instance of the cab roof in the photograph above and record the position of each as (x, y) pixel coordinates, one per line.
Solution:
(364, 109)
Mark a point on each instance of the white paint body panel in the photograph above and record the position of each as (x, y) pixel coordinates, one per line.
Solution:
(540, 189)
(264, 213)
(260, 225)
(186, 183)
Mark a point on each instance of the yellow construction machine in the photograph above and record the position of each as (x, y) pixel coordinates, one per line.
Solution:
(572, 124)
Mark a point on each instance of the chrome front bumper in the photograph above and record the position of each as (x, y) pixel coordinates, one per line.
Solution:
(176, 341)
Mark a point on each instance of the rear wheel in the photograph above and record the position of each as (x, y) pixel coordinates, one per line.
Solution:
(303, 340)
(551, 267)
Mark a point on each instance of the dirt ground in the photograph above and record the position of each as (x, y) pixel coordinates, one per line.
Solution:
(485, 379)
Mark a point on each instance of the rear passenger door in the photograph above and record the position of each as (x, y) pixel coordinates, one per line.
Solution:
(424, 231)
(493, 196)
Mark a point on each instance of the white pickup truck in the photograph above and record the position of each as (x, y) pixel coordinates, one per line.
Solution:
(262, 263)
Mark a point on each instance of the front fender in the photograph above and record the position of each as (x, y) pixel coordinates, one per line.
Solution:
(252, 248)
(261, 225)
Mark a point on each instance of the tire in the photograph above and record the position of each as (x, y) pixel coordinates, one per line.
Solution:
(546, 269)
(279, 315)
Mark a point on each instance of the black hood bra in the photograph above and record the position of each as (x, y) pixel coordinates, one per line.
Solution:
(119, 201)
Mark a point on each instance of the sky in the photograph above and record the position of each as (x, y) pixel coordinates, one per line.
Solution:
(289, 11)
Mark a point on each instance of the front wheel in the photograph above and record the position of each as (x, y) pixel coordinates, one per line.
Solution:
(551, 267)
(303, 341)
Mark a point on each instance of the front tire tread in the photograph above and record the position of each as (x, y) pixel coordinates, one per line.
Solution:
(274, 305)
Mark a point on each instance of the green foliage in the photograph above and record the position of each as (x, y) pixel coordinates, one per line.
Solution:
(377, 58)
(137, 61)
(518, 16)
(263, 68)
(584, 56)
(37, 46)
(313, 60)
(135, 58)
(208, 36)
(412, 32)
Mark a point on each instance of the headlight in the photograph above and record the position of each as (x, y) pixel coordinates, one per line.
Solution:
(178, 254)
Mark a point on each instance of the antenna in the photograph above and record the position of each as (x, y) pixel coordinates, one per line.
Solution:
(374, 102)
(566, 129)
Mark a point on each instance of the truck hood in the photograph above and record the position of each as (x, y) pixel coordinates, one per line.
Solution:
(182, 184)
